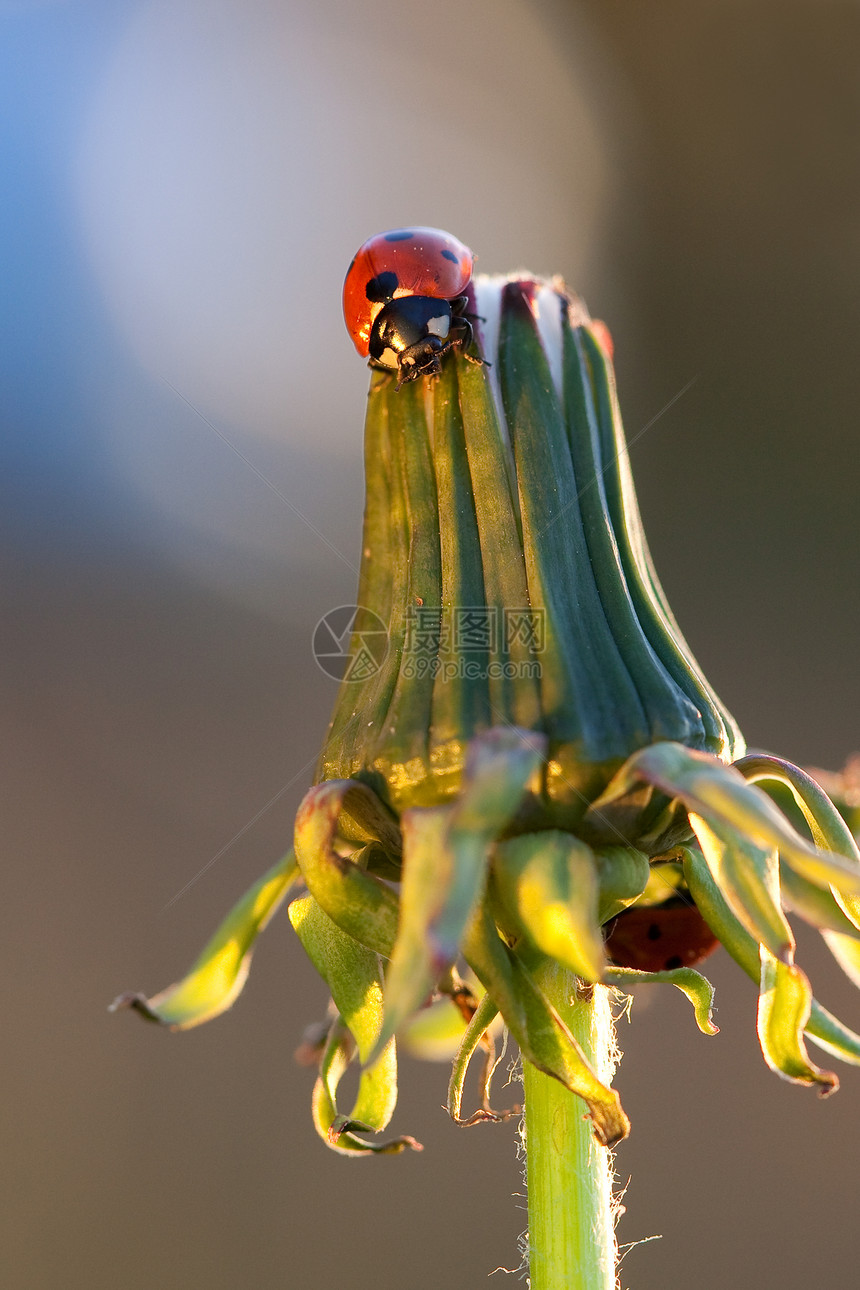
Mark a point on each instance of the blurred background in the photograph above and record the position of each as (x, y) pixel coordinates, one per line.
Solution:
(184, 185)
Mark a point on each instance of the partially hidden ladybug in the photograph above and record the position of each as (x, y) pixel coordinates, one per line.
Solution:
(658, 938)
(404, 300)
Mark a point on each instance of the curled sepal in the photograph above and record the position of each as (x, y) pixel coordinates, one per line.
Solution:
(217, 977)
(543, 1038)
(353, 974)
(843, 789)
(722, 796)
(822, 1027)
(371, 1110)
(697, 988)
(829, 830)
(477, 1032)
(548, 885)
(748, 877)
(784, 1005)
(623, 876)
(445, 854)
(361, 905)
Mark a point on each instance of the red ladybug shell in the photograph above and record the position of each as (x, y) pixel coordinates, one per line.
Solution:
(402, 262)
(659, 939)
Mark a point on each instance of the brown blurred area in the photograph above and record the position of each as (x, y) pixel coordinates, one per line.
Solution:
(162, 710)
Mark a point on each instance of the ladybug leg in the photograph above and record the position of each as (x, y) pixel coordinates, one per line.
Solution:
(459, 310)
(464, 336)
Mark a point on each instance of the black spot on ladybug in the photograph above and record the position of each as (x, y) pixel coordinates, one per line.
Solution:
(449, 255)
(653, 932)
(399, 235)
(382, 287)
(674, 962)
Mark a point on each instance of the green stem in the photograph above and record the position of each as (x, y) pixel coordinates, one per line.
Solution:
(571, 1226)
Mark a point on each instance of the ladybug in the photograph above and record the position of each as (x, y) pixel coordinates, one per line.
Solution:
(404, 300)
(658, 938)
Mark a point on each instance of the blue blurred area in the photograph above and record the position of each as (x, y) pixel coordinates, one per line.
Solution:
(180, 200)
(83, 425)
(55, 336)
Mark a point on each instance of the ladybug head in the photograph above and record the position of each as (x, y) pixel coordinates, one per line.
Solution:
(422, 359)
(409, 335)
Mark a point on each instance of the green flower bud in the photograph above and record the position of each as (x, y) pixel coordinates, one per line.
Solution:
(504, 551)
(536, 756)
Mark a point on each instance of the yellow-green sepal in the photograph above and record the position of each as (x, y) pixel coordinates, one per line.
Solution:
(476, 1032)
(822, 1027)
(784, 1006)
(623, 874)
(354, 976)
(445, 856)
(350, 970)
(340, 1132)
(549, 887)
(748, 877)
(697, 988)
(500, 764)
(417, 959)
(827, 826)
(217, 977)
(361, 905)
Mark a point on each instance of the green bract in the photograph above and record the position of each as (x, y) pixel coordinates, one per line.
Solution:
(536, 753)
